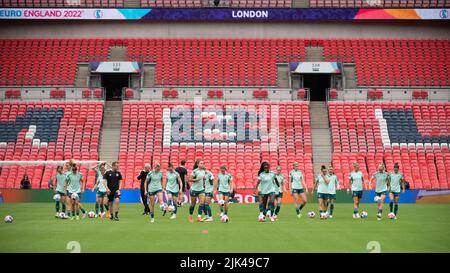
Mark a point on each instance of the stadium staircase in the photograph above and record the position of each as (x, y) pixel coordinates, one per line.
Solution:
(82, 74)
(300, 3)
(350, 76)
(314, 54)
(132, 4)
(110, 133)
(320, 134)
(118, 53)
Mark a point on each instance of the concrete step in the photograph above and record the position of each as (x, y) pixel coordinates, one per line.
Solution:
(132, 4)
(82, 75)
(300, 4)
(118, 53)
(314, 54)
(110, 134)
(320, 134)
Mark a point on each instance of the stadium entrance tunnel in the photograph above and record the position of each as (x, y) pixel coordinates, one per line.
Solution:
(317, 84)
(114, 83)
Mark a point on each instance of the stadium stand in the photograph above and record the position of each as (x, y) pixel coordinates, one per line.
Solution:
(379, 3)
(146, 137)
(401, 62)
(228, 62)
(38, 131)
(412, 134)
(43, 62)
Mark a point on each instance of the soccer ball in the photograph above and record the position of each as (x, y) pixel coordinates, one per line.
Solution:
(311, 214)
(323, 216)
(62, 215)
(163, 207)
(221, 202)
(377, 199)
(261, 218)
(171, 208)
(57, 197)
(364, 214)
(74, 196)
(224, 219)
(8, 219)
(91, 214)
(391, 215)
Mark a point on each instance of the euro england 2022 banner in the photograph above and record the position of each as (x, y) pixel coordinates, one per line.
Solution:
(223, 14)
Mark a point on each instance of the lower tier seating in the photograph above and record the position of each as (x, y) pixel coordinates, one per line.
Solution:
(231, 134)
(414, 135)
(40, 131)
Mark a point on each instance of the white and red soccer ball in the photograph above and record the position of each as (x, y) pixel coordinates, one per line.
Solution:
(8, 219)
(91, 214)
(391, 215)
(224, 219)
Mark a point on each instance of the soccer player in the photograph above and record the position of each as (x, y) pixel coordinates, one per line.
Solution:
(142, 177)
(210, 186)
(112, 181)
(279, 195)
(100, 170)
(173, 188)
(197, 178)
(332, 186)
(382, 183)
(356, 179)
(225, 188)
(297, 185)
(69, 165)
(396, 181)
(185, 185)
(75, 186)
(321, 182)
(154, 189)
(59, 188)
(267, 180)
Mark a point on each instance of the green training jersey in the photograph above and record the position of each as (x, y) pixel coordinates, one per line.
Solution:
(172, 181)
(357, 180)
(154, 181)
(395, 180)
(381, 181)
(198, 185)
(74, 181)
(100, 187)
(334, 183)
(322, 185)
(280, 179)
(296, 178)
(224, 180)
(60, 182)
(209, 182)
(267, 182)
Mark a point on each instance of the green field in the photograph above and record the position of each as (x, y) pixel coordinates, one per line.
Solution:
(420, 228)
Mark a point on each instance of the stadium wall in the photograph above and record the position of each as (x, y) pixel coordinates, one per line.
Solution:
(242, 196)
(142, 29)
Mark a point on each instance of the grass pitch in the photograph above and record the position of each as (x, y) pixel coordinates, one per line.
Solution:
(420, 228)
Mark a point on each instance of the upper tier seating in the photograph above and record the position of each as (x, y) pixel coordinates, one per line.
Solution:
(402, 62)
(38, 131)
(415, 135)
(43, 62)
(227, 62)
(379, 3)
(147, 136)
